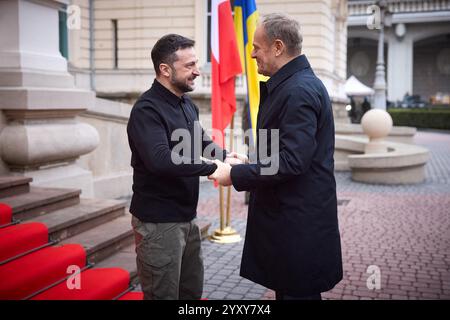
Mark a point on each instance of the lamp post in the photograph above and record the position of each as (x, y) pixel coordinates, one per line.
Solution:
(379, 85)
(377, 123)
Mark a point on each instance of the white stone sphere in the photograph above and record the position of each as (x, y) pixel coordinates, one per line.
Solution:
(376, 123)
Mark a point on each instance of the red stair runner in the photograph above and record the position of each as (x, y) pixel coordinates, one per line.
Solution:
(34, 271)
(20, 238)
(95, 284)
(37, 270)
(5, 214)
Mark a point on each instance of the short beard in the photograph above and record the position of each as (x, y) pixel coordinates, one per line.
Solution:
(180, 85)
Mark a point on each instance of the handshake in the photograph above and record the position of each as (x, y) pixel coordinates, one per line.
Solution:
(222, 175)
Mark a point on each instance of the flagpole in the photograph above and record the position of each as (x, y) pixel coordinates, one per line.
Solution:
(223, 100)
(221, 208)
(230, 147)
(226, 234)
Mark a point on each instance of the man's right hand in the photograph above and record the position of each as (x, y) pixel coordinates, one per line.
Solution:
(222, 175)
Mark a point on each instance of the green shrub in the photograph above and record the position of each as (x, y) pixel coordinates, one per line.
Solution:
(433, 118)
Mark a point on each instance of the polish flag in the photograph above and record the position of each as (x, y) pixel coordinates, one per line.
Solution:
(225, 65)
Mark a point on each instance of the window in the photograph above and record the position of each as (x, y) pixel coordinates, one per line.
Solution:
(63, 42)
(115, 46)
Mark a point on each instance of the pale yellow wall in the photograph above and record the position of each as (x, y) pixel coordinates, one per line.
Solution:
(315, 20)
(339, 9)
(341, 38)
(324, 31)
(142, 22)
(79, 38)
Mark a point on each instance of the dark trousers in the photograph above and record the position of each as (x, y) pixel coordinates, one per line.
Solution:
(283, 296)
(169, 260)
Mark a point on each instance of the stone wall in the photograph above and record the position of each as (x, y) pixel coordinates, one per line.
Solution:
(40, 137)
(4, 170)
(324, 32)
(110, 161)
(79, 38)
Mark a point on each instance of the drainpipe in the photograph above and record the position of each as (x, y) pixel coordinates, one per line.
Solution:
(91, 44)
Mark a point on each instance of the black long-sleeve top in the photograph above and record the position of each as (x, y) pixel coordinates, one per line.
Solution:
(165, 190)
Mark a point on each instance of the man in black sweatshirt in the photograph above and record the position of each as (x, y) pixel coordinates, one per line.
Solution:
(166, 143)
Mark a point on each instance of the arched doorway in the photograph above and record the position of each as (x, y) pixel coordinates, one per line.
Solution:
(431, 68)
(362, 59)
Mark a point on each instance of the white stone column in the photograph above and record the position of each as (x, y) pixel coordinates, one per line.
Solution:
(42, 138)
(339, 51)
(400, 66)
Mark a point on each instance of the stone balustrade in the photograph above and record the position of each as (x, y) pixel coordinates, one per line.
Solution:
(203, 84)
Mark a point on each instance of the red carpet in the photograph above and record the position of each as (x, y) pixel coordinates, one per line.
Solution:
(95, 284)
(37, 270)
(20, 238)
(5, 213)
(21, 277)
(135, 295)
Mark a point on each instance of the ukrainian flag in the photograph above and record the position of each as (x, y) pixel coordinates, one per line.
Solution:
(245, 19)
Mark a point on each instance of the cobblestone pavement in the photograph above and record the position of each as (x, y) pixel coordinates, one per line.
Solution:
(404, 231)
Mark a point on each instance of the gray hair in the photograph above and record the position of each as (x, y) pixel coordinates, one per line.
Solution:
(282, 27)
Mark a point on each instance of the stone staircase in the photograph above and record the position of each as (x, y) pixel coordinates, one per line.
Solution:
(102, 227)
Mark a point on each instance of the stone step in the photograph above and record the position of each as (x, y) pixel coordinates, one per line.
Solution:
(40, 201)
(13, 185)
(125, 258)
(89, 213)
(106, 239)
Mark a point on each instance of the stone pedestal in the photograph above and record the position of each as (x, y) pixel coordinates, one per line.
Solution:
(376, 124)
(41, 137)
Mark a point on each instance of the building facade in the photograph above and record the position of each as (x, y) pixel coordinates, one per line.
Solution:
(417, 48)
(59, 56)
(110, 53)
